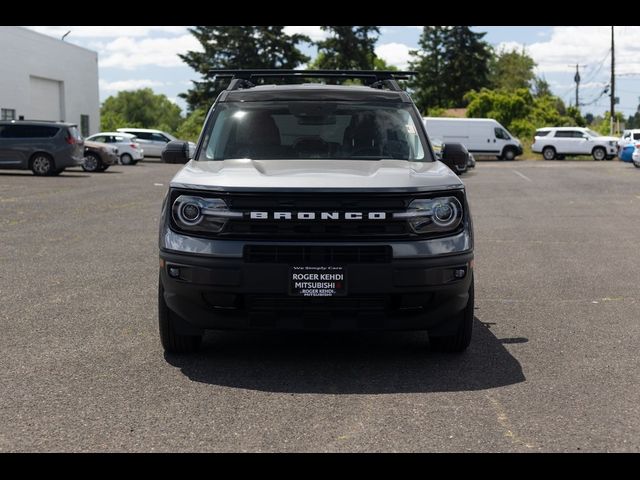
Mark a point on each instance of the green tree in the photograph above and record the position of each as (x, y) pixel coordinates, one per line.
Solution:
(110, 121)
(378, 63)
(451, 61)
(348, 48)
(467, 58)
(236, 47)
(541, 87)
(573, 113)
(512, 70)
(634, 120)
(140, 108)
(503, 105)
(604, 127)
(428, 87)
(192, 126)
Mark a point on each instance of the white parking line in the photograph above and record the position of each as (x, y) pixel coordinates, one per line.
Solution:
(522, 175)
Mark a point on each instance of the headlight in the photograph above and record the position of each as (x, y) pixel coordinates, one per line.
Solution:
(433, 215)
(198, 213)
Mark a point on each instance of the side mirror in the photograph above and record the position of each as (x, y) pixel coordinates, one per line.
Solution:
(455, 156)
(176, 152)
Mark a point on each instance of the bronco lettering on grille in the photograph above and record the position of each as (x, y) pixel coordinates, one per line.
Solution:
(318, 215)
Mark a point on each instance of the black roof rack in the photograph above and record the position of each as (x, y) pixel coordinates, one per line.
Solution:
(373, 78)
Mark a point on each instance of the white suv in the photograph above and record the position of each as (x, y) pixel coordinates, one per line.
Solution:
(629, 137)
(560, 141)
(154, 141)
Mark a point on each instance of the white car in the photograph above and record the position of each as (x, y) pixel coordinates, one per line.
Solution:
(558, 142)
(127, 145)
(628, 137)
(636, 157)
(154, 141)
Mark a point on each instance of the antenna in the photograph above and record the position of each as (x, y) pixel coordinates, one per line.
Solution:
(65, 35)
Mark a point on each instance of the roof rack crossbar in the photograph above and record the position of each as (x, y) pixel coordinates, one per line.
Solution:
(374, 78)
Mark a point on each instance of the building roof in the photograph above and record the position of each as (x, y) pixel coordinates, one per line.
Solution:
(62, 43)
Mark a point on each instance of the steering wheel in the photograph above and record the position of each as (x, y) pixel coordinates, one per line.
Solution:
(366, 152)
(314, 145)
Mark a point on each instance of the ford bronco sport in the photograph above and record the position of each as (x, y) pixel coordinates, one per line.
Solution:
(315, 207)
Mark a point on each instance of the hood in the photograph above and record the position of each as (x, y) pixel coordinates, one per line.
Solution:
(608, 139)
(387, 175)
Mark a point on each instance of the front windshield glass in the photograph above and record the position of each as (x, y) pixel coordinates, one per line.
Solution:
(314, 130)
(591, 133)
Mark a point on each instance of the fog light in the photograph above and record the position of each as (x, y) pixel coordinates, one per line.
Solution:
(459, 273)
(174, 272)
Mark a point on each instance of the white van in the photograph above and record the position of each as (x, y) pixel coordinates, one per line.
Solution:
(481, 136)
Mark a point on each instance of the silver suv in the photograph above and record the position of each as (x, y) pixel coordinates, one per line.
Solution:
(315, 207)
(46, 148)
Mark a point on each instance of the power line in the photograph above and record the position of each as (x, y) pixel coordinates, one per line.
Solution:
(598, 68)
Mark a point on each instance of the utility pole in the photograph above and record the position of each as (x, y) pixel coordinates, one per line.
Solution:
(577, 80)
(613, 79)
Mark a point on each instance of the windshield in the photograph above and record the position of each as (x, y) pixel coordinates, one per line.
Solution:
(591, 133)
(314, 130)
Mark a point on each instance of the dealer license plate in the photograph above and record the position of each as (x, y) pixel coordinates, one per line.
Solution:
(317, 281)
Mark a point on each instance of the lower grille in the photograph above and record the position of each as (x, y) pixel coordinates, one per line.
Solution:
(337, 229)
(301, 305)
(326, 255)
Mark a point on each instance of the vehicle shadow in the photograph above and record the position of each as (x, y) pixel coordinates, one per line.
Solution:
(354, 363)
(28, 173)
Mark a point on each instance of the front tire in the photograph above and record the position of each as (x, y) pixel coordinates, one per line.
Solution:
(508, 154)
(42, 165)
(636, 164)
(173, 342)
(599, 154)
(549, 153)
(459, 341)
(92, 163)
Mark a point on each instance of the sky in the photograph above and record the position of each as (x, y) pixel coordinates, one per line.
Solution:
(136, 57)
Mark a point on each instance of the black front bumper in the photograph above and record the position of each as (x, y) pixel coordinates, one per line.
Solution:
(232, 293)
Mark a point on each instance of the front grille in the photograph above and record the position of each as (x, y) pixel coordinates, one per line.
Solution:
(311, 229)
(317, 229)
(313, 202)
(258, 303)
(329, 255)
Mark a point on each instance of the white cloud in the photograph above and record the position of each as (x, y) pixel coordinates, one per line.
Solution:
(106, 31)
(313, 32)
(120, 85)
(396, 54)
(589, 45)
(130, 53)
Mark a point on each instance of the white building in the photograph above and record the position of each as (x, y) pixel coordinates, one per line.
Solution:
(43, 78)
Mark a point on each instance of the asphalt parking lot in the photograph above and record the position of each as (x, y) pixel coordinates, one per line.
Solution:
(553, 365)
